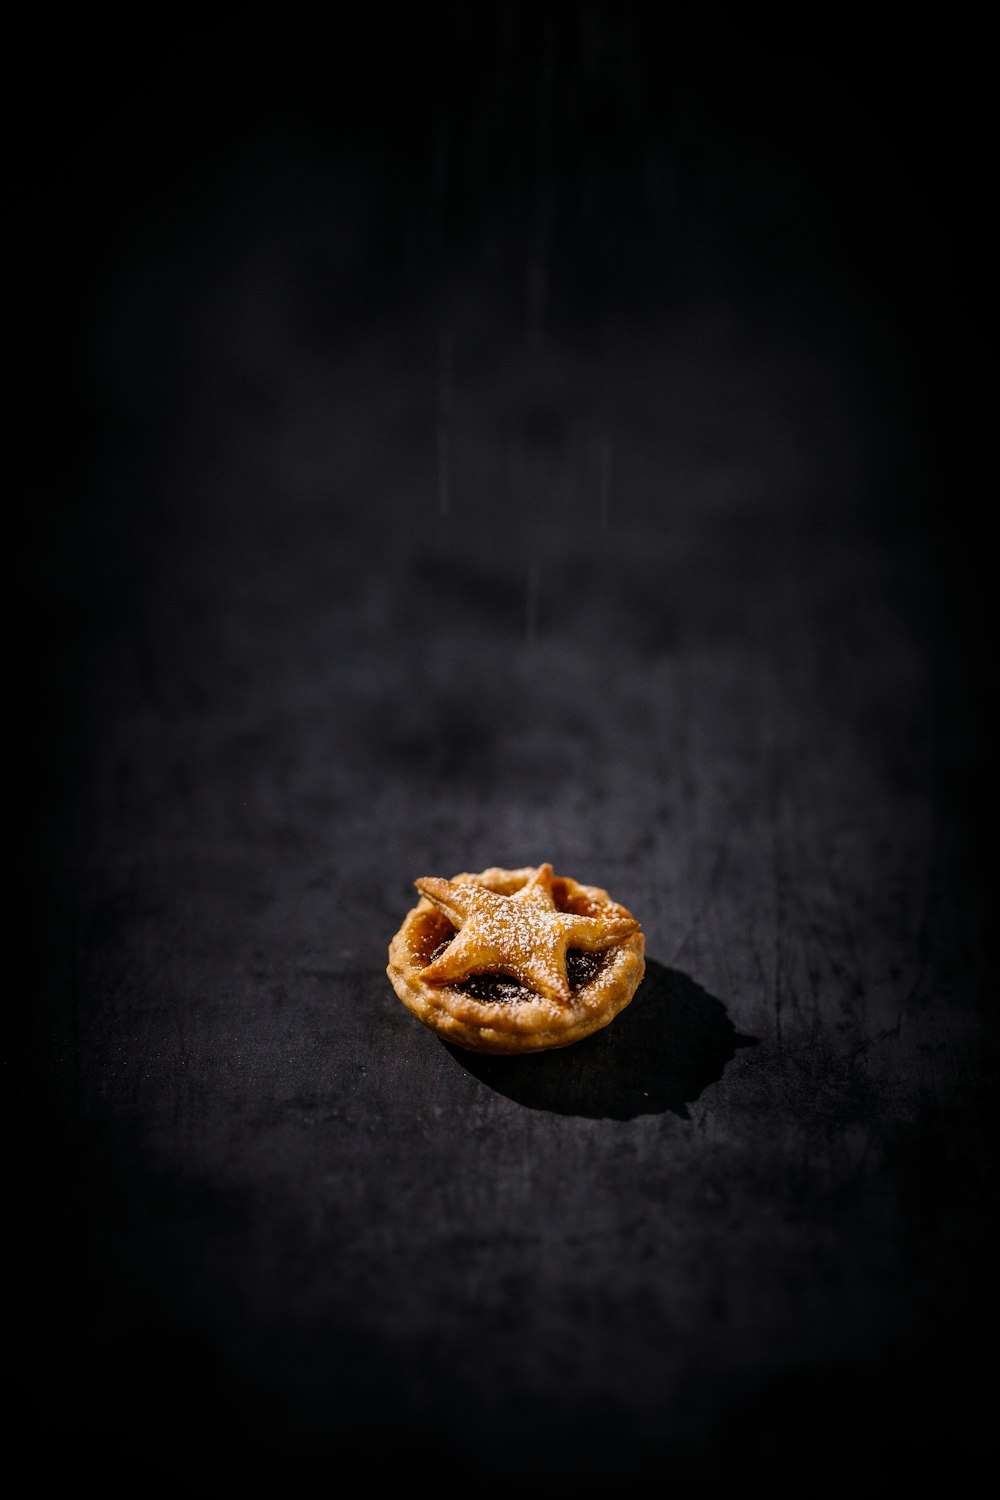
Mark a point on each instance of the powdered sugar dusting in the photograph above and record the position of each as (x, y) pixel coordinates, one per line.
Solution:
(523, 937)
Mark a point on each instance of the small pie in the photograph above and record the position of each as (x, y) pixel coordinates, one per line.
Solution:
(515, 960)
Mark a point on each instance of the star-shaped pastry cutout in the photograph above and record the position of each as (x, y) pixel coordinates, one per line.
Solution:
(524, 935)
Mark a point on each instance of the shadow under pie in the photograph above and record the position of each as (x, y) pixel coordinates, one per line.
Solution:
(666, 1047)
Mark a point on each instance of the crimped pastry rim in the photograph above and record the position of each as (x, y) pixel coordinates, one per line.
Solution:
(530, 1025)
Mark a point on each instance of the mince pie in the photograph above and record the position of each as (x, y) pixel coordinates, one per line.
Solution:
(515, 960)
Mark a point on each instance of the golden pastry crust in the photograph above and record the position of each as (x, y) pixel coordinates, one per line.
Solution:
(545, 965)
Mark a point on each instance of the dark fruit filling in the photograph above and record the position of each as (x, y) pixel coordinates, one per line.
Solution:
(581, 967)
(503, 989)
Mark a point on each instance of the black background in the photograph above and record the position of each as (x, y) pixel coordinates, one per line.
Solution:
(498, 435)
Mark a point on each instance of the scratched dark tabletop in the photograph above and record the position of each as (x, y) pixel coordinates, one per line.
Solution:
(553, 462)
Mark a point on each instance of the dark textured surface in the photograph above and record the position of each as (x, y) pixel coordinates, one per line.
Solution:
(555, 463)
